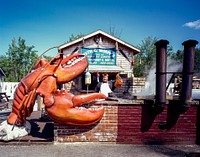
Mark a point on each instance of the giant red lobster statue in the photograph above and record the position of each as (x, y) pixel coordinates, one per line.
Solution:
(61, 106)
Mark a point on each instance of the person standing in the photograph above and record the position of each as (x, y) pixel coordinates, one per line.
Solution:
(106, 87)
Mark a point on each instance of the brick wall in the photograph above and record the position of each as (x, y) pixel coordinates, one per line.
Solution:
(131, 86)
(136, 124)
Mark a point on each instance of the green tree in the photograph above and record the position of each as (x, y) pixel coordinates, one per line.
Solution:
(146, 59)
(5, 66)
(18, 60)
(197, 61)
(74, 37)
(178, 56)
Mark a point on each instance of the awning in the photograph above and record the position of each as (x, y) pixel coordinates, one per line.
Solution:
(105, 69)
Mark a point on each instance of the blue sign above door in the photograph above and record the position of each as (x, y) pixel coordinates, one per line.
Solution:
(100, 56)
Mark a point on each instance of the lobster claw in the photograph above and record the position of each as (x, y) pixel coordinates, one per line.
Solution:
(67, 108)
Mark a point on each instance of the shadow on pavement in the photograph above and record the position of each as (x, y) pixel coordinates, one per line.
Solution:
(161, 149)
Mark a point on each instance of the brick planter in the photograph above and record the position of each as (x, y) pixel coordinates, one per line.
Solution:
(136, 124)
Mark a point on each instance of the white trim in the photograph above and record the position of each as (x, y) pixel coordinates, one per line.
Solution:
(95, 33)
(96, 68)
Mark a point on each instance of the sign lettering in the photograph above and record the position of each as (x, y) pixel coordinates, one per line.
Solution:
(100, 56)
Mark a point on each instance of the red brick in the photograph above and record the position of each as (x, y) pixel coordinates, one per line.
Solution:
(124, 124)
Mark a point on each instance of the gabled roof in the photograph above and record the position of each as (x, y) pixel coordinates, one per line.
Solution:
(96, 33)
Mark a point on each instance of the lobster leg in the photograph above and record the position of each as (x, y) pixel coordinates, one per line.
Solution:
(27, 107)
(30, 103)
(22, 112)
(46, 90)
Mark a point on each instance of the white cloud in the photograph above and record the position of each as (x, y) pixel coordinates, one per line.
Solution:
(193, 24)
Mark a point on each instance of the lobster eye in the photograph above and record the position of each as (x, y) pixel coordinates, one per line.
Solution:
(56, 60)
(53, 62)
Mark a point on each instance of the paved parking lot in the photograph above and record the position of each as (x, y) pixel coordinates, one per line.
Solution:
(97, 150)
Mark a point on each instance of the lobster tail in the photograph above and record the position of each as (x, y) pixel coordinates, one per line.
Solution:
(22, 106)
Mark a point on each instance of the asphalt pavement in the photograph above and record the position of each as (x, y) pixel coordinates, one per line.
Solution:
(99, 150)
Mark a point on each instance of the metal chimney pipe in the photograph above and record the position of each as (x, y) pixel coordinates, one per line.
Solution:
(187, 73)
(161, 64)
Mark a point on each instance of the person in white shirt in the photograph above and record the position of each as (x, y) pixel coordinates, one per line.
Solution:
(106, 87)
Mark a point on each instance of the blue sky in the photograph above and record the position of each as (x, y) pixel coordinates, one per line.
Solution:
(48, 23)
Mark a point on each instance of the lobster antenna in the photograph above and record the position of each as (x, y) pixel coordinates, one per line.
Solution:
(47, 51)
(41, 56)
